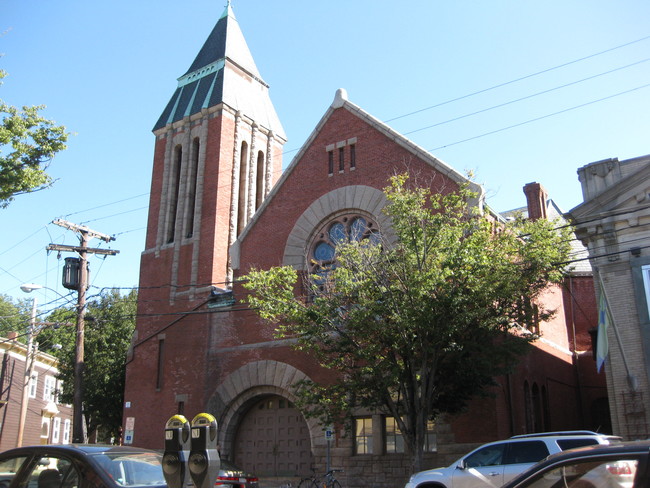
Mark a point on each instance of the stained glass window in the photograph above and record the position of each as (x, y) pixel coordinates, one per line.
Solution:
(346, 228)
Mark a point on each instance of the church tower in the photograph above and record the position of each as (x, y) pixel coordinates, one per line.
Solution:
(218, 152)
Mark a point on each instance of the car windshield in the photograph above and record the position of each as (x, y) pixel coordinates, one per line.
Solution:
(132, 469)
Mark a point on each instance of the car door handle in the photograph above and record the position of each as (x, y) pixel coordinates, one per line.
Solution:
(494, 473)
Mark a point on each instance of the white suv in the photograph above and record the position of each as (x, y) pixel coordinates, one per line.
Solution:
(497, 463)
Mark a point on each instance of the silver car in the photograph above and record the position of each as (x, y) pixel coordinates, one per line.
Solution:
(496, 463)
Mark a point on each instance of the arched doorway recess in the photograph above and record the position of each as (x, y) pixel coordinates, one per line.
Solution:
(273, 439)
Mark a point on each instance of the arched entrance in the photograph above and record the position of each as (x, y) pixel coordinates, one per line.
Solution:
(272, 439)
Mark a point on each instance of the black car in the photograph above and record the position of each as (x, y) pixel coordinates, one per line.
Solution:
(81, 466)
(624, 465)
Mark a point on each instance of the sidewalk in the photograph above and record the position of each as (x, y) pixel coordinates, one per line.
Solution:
(279, 482)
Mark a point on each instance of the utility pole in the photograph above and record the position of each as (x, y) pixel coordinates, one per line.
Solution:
(85, 234)
(29, 364)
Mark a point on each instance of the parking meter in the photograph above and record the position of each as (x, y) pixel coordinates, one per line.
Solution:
(177, 446)
(204, 462)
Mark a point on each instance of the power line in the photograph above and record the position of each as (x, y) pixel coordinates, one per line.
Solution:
(543, 92)
(115, 214)
(433, 125)
(107, 204)
(536, 119)
(421, 110)
(519, 79)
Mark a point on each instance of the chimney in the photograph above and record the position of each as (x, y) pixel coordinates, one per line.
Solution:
(536, 199)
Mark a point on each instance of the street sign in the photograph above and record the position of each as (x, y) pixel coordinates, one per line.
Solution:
(329, 433)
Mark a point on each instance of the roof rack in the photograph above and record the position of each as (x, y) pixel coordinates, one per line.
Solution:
(560, 433)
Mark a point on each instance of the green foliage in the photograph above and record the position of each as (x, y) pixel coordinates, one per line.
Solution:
(419, 327)
(109, 325)
(14, 317)
(28, 142)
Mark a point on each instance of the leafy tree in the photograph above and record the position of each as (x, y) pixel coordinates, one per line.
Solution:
(417, 328)
(109, 324)
(13, 317)
(28, 142)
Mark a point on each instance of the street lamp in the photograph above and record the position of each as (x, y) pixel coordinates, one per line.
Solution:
(29, 364)
(77, 393)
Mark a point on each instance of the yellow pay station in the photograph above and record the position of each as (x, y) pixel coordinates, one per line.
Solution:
(191, 456)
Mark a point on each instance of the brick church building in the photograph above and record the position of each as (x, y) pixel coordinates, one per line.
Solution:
(220, 204)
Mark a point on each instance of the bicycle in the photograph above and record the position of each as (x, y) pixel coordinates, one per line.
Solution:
(326, 481)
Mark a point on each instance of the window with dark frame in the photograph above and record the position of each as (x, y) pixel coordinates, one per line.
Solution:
(341, 158)
(363, 435)
(161, 354)
(175, 188)
(431, 440)
(330, 162)
(353, 156)
(193, 182)
(393, 438)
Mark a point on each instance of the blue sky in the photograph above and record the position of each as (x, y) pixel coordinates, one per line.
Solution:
(106, 70)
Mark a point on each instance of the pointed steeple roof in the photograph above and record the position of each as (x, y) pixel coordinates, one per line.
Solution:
(225, 40)
(209, 81)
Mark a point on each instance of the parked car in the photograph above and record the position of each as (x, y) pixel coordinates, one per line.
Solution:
(624, 465)
(498, 462)
(231, 476)
(63, 466)
(80, 465)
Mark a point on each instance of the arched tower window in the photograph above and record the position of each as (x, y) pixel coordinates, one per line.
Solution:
(259, 184)
(243, 187)
(190, 214)
(528, 408)
(546, 414)
(537, 408)
(345, 228)
(175, 187)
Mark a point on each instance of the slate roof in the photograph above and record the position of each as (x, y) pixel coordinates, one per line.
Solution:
(209, 82)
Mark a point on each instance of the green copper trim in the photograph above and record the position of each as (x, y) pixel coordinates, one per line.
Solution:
(202, 72)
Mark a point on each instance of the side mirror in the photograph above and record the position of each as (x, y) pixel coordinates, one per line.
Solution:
(461, 464)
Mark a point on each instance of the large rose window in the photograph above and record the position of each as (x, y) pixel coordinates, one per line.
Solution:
(346, 228)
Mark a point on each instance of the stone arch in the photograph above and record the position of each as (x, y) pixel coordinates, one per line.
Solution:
(245, 386)
(354, 197)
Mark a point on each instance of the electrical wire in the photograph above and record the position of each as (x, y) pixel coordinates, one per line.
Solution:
(440, 123)
(536, 119)
(434, 125)
(107, 204)
(527, 97)
(500, 85)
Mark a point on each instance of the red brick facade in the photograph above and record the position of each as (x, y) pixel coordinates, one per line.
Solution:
(189, 358)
